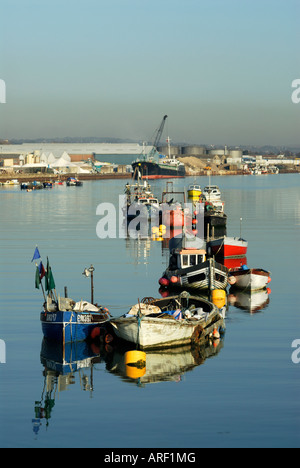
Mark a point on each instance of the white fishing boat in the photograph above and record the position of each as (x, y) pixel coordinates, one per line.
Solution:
(212, 193)
(249, 278)
(172, 321)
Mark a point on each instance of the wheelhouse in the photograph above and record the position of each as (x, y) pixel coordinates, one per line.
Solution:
(187, 258)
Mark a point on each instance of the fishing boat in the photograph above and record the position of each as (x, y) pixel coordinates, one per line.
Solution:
(249, 278)
(11, 182)
(140, 201)
(34, 185)
(194, 192)
(189, 267)
(73, 182)
(63, 319)
(157, 166)
(48, 185)
(169, 322)
(212, 193)
(228, 247)
(174, 213)
(68, 321)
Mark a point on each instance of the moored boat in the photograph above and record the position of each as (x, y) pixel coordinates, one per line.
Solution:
(66, 321)
(249, 278)
(194, 192)
(212, 193)
(228, 247)
(73, 182)
(157, 166)
(189, 267)
(63, 319)
(172, 321)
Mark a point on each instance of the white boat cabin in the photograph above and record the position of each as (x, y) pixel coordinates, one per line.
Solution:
(195, 187)
(212, 192)
(148, 201)
(186, 258)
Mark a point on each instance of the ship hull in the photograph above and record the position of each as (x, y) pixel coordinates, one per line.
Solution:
(152, 170)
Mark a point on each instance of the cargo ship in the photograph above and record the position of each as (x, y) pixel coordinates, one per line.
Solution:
(158, 166)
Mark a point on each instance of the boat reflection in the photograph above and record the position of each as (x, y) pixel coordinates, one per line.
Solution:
(161, 365)
(61, 364)
(252, 302)
(64, 365)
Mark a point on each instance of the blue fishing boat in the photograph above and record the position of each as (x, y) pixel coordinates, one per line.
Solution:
(69, 326)
(63, 319)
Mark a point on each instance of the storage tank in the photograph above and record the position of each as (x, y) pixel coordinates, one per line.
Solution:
(236, 154)
(194, 150)
(174, 150)
(217, 152)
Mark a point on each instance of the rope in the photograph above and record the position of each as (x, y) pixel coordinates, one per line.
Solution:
(220, 246)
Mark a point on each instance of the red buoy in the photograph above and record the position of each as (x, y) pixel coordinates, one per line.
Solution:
(174, 279)
(164, 282)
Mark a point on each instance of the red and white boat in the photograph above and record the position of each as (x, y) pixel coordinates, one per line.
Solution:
(228, 247)
(249, 278)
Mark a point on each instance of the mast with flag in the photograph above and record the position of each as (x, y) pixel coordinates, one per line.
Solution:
(41, 273)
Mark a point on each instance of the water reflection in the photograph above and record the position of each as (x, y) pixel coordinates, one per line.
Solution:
(252, 302)
(64, 365)
(61, 364)
(162, 365)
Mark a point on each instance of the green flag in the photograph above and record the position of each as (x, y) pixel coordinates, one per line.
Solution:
(51, 283)
(49, 280)
(37, 278)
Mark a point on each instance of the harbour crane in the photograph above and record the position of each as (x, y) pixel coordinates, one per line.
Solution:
(158, 136)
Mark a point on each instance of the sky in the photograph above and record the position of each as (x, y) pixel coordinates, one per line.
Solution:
(222, 70)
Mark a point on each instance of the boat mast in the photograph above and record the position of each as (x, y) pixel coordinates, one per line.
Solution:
(169, 146)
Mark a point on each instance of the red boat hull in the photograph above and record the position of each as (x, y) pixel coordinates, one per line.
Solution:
(229, 247)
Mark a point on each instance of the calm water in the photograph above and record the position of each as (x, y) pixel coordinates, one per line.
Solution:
(245, 393)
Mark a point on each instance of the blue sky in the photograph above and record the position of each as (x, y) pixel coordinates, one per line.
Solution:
(221, 69)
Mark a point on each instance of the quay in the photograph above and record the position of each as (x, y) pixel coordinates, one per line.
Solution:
(61, 177)
(46, 177)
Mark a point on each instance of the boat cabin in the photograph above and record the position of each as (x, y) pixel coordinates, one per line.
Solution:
(148, 201)
(186, 258)
(212, 191)
(195, 187)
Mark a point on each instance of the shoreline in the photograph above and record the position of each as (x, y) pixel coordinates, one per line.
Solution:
(116, 176)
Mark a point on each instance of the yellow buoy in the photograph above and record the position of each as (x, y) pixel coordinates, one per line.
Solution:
(219, 297)
(135, 363)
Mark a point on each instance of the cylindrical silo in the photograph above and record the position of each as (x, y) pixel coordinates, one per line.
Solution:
(194, 150)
